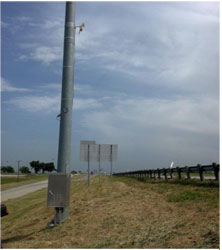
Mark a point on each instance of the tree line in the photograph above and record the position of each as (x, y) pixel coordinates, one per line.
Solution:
(35, 165)
(42, 166)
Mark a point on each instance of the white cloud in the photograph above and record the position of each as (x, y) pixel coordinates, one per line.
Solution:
(47, 104)
(44, 104)
(7, 87)
(55, 86)
(166, 44)
(152, 132)
(80, 89)
(83, 89)
(41, 52)
(54, 23)
(4, 24)
(199, 116)
(46, 55)
(23, 19)
(88, 103)
(28, 45)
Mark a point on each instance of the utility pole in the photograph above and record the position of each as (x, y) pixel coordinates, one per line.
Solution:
(65, 132)
(88, 165)
(18, 170)
(99, 163)
(111, 161)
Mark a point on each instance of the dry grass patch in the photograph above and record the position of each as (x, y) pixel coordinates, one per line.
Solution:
(122, 213)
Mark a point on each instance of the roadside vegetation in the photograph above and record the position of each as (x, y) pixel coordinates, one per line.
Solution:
(119, 213)
(12, 181)
(197, 175)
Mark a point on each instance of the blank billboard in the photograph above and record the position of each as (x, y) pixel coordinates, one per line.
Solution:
(89, 152)
(98, 152)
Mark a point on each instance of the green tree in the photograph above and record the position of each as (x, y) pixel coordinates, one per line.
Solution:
(50, 166)
(43, 167)
(35, 165)
(10, 169)
(4, 169)
(25, 170)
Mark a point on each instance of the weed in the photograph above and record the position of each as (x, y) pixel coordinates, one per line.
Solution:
(187, 196)
(211, 238)
(142, 179)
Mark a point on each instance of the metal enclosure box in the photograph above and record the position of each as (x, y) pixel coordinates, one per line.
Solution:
(58, 190)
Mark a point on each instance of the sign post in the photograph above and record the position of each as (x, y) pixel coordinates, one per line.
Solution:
(88, 164)
(111, 161)
(88, 153)
(99, 162)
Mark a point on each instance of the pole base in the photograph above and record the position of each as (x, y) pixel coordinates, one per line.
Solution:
(61, 214)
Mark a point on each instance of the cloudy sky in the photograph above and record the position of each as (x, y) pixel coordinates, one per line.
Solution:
(146, 78)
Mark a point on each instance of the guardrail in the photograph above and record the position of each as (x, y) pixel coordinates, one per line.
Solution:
(156, 173)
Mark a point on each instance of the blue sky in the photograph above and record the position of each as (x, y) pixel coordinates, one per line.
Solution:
(146, 78)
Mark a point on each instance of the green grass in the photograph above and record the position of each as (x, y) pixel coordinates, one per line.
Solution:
(187, 196)
(193, 182)
(6, 180)
(12, 181)
(197, 174)
(181, 191)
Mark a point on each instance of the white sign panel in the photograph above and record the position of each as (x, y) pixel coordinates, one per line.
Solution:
(108, 152)
(114, 152)
(89, 151)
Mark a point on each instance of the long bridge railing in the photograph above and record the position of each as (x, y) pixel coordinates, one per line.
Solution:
(169, 172)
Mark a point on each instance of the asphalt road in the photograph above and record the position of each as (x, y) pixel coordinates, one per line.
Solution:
(26, 189)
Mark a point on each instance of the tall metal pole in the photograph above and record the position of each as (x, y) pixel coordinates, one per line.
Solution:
(18, 171)
(88, 163)
(65, 132)
(99, 163)
(111, 161)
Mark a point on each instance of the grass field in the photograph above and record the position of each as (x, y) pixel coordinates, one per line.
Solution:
(119, 213)
(196, 174)
(8, 182)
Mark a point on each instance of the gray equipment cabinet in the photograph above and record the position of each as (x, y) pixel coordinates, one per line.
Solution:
(58, 190)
